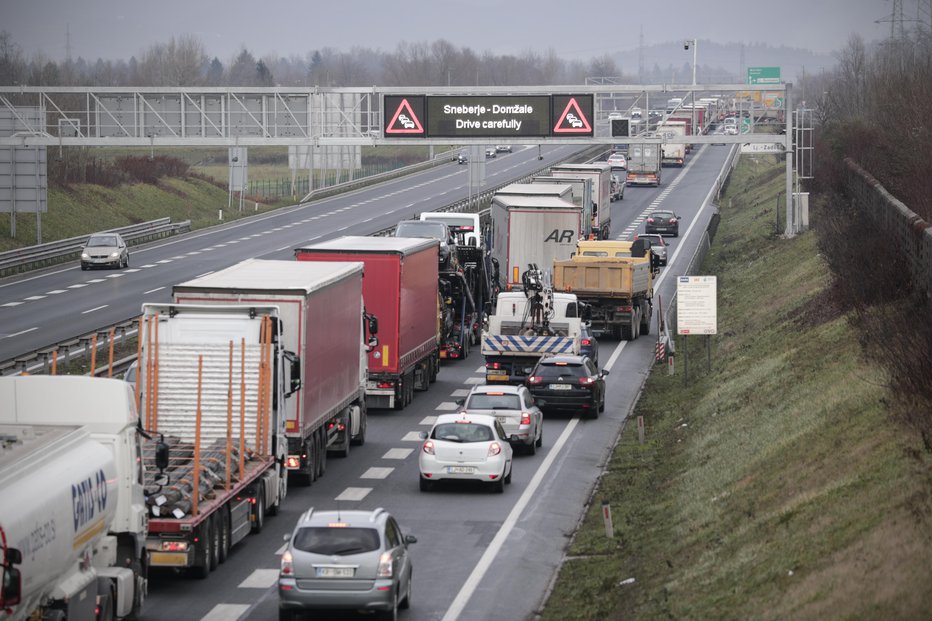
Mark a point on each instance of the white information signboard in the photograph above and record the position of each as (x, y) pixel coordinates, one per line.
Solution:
(696, 305)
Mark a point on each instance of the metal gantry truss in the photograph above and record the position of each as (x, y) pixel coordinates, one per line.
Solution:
(215, 116)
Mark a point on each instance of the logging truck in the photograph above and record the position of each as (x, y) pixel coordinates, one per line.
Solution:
(211, 389)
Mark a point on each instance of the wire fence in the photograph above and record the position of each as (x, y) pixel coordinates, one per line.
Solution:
(283, 187)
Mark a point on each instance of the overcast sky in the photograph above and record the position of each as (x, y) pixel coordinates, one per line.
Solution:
(114, 29)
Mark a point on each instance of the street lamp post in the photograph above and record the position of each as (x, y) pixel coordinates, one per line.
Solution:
(686, 44)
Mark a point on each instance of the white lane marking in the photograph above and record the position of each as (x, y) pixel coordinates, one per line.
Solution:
(615, 354)
(54, 292)
(178, 258)
(397, 453)
(147, 265)
(91, 310)
(132, 270)
(411, 436)
(194, 252)
(428, 420)
(163, 261)
(446, 406)
(354, 493)
(282, 248)
(33, 298)
(260, 579)
(9, 336)
(204, 274)
(376, 473)
(225, 612)
(460, 392)
(469, 587)
(480, 369)
(281, 550)
(95, 280)
(115, 276)
(475, 380)
(219, 245)
(152, 290)
(77, 286)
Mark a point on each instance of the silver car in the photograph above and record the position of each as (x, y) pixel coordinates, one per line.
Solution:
(514, 408)
(345, 560)
(104, 250)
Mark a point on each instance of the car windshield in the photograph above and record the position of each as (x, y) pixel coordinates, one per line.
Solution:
(463, 432)
(550, 371)
(455, 222)
(424, 228)
(484, 401)
(331, 541)
(663, 214)
(102, 240)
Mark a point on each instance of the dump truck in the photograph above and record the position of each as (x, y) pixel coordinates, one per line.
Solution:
(527, 325)
(601, 175)
(212, 386)
(401, 288)
(327, 412)
(615, 280)
(72, 516)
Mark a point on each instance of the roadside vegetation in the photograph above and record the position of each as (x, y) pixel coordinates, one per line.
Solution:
(777, 484)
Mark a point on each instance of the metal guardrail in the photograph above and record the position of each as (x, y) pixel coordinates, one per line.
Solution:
(40, 360)
(23, 259)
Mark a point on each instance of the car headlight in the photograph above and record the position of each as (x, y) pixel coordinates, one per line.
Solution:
(114, 255)
(84, 255)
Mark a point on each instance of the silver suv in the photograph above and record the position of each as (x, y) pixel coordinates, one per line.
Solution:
(345, 560)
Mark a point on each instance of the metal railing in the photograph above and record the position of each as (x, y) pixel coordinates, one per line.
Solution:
(31, 257)
(40, 360)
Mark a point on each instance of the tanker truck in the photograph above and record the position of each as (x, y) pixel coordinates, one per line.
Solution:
(72, 515)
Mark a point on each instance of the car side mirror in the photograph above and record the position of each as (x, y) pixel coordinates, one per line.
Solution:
(460, 402)
(422, 435)
(604, 372)
(12, 585)
(410, 539)
(286, 537)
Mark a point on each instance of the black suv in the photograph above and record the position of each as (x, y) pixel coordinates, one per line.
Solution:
(568, 384)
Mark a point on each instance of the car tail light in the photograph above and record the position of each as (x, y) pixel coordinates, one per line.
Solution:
(525, 418)
(650, 220)
(672, 220)
(428, 447)
(535, 379)
(385, 565)
(287, 564)
(586, 342)
(494, 449)
(586, 381)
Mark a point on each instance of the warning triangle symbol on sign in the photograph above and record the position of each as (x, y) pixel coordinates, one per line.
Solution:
(572, 121)
(405, 121)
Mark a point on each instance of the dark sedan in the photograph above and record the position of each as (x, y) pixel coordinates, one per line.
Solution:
(663, 222)
(568, 384)
(588, 344)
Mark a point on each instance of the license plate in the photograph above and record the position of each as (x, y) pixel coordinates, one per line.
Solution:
(460, 469)
(335, 572)
(502, 419)
(168, 559)
(561, 387)
(496, 378)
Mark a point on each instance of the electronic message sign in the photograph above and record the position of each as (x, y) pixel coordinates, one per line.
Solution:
(487, 116)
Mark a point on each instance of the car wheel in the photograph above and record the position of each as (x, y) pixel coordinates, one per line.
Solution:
(602, 403)
(392, 613)
(83, 267)
(425, 485)
(531, 449)
(540, 438)
(594, 409)
(499, 486)
(511, 468)
(406, 602)
(287, 615)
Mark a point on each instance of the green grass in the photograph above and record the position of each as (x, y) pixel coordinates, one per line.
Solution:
(774, 486)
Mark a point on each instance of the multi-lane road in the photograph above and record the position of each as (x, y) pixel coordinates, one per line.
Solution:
(479, 556)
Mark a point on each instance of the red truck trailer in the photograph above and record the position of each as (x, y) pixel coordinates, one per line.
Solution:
(400, 288)
(328, 410)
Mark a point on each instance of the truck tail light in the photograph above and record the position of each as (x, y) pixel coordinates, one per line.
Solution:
(525, 418)
(287, 564)
(535, 379)
(386, 384)
(293, 462)
(586, 342)
(428, 447)
(494, 449)
(174, 546)
(385, 565)
(493, 365)
(623, 309)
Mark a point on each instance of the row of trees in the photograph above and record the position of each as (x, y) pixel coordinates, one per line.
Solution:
(184, 61)
(875, 108)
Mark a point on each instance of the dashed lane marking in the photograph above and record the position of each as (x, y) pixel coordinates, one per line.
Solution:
(397, 453)
(475, 380)
(260, 579)
(152, 290)
(77, 286)
(354, 493)
(460, 392)
(428, 420)
(33, 298)
(446, 406)
(55, 292)
(411, 436)
(225, 612)
(91, 310)
(376, 473)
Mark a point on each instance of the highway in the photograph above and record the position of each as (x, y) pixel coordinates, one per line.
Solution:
(479, 556)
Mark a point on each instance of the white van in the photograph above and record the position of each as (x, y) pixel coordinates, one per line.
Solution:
(464, 226)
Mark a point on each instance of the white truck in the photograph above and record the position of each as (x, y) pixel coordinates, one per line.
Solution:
(72, 514)
(527, 325)
(582, 195)
(672, 154)
(328, 411)
(212, 383)
(644, 164)
(531, 229)
(601, 175)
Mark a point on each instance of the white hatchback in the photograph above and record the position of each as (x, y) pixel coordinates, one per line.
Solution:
(465, 446)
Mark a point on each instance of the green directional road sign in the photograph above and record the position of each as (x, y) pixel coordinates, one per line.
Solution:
(745, 126)
(763, 75)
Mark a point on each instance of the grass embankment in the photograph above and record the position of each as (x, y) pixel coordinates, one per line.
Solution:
(81, 209)
(774, 486)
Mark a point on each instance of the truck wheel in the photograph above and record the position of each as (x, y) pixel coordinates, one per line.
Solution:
(322, 451)
(343, 452)
(258, 510)
(225, 533)
(360, 438)
(645, 325)
(215, 526)
(202, 554)
(105, 605)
